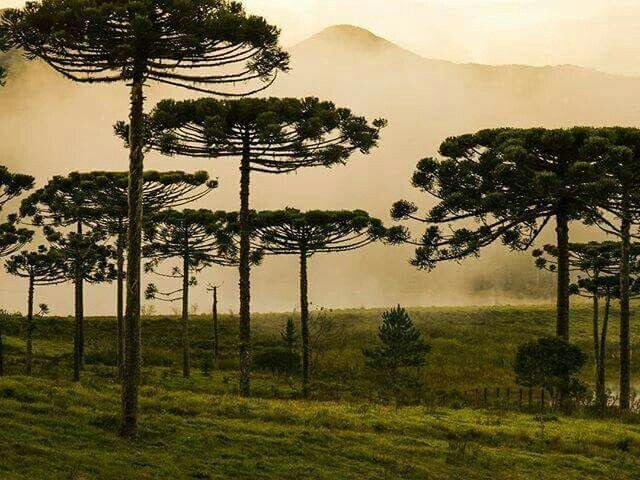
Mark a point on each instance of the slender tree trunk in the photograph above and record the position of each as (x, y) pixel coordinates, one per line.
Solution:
(1, 349)
(562, 232)
(304, 321)
(30, 327)
(214, 315)
(120, 296)
(186, 360)
(596, 330)
(78, 327)
(601, 394)
(625, 348)
(78, 348)
(245, 272)
(131, 370)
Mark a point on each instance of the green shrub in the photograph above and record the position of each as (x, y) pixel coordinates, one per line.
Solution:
(552, 364)
(278, 361)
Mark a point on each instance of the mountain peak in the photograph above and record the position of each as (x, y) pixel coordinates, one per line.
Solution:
(351, 33)
(349, 38)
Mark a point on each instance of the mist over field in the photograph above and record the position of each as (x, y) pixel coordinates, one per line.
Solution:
(52, 126)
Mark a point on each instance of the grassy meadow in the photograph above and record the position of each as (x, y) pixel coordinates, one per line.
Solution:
(198, 428)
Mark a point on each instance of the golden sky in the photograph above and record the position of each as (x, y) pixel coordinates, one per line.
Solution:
(597, 33)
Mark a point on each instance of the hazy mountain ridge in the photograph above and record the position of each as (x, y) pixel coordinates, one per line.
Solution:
(424, 100)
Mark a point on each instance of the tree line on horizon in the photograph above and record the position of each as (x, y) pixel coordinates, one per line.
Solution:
(498, 185)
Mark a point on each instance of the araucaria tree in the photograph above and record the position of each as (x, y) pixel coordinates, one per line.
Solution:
(269, 135)
(86, 259)
(66, 202)
(107, 193)
(597, 265)
(304, 234)
(510, 183)
(41, 267)
(201, 45)
(199, 239)
(617, 213)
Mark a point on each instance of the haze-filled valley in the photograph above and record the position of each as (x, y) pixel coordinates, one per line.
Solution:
(51, 126)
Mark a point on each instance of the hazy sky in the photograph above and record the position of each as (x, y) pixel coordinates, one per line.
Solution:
(599, 33)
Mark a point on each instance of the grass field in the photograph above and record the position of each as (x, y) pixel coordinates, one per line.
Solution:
(199, 428)
(471, 347)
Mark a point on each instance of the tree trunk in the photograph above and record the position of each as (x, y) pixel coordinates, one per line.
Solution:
(78, 339)
(30, 327)
(596, 330)
(120, 297)
(214, 315)
(562, 232)
(625, 349)
(245, 272)
(186, 360)
(304, 322)
(131, 370)
(601, 394)
(1, 350)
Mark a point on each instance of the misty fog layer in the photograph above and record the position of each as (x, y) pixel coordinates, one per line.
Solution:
(52, 126)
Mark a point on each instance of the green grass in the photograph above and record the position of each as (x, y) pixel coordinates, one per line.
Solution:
(51, 428)
(471, 347)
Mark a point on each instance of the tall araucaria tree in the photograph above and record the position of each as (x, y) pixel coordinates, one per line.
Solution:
(199, 239)
(201, 45)
(510, 183)
(304, 234)
(107, 192)
(87, 259)
(266, 135)
(616, 214)
(41, 267)
(66, 202)
(597, 265)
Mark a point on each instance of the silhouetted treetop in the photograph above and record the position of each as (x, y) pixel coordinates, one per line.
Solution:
(62, 201)
(110, 40)
(201, 236)
(288, 231)
(279, 135)
(108, 190)
(511, 182)
(45, 266)
(12, 238)
(13, 184)
(603, 257)
(84, 255)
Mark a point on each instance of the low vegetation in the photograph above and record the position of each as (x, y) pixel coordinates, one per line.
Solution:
(471, 347)
(199, 428)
